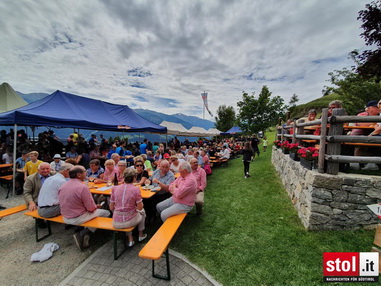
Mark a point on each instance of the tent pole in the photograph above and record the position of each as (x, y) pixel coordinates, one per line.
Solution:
(14, 160)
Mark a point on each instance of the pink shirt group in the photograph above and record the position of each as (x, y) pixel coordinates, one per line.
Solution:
(125, 197)
(185, 190)
(110, 175)
(200, 176)
(75, 199)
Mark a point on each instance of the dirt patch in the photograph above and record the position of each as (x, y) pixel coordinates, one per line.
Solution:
(18, 243)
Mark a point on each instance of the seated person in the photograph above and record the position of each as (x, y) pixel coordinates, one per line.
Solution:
(72, 153)
(224, 154)
(183, 191)
(174, 167)
(127, 206)
(95, 169)
(56, 163)
(78, 206)
(147, 163)
(310, 117)
(122, 165)
(20, 164)
(48, 204)
(110, 172)
(370, 110)
(141, 174)
(31, 166)
(331, 106)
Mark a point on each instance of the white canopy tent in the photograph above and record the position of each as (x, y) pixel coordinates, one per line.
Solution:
(174, 128)
(198, 132)
(214, 132)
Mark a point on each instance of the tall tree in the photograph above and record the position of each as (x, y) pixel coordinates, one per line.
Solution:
(370, 60)
(258, 114)
(225, 118)
(292, 103)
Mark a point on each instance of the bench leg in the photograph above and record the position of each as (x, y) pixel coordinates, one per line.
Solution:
(115, 242)
(168, 277)
(10, 186)
(45, 236)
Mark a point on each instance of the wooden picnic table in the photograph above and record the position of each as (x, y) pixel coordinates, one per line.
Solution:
(94, 189)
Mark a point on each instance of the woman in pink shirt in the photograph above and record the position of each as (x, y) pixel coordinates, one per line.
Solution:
(127, 204)
(110, 171)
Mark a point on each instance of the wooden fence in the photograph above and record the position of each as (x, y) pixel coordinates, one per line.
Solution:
(330, 143)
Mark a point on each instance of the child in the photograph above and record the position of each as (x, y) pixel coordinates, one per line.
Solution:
(264, 144)
(31, 166)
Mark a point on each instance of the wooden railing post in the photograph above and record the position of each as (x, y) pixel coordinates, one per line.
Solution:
(323, 133)
(300, 130)
(334, 148)
(295, 130)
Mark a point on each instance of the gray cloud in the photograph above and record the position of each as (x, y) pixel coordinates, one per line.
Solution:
(161, 55)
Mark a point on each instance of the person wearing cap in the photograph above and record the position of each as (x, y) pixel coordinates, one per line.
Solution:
(56, 163)
(370, 110)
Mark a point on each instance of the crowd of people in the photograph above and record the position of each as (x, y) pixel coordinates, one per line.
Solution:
(55, 184)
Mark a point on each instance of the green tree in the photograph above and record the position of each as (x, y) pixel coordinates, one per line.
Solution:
(292, 103)
(225, 118)
(355, 90)
(369, 61)
(258, 114)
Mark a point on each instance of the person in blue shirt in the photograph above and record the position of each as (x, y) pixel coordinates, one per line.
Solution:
(143, 147)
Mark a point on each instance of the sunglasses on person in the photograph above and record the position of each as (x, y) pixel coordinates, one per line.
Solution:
(139, 165)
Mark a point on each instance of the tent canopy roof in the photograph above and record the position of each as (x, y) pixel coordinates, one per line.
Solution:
(233, 130)
(61, 109)
(174, 128)
(9, 98)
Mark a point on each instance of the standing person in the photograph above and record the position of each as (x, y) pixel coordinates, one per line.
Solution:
(143, 147)
(254, 144)
(264, 144)
(127, 204)
(248, 153)
(200, 175)
(20, 164)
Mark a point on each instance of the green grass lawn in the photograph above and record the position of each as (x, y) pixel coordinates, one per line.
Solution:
(250, 233)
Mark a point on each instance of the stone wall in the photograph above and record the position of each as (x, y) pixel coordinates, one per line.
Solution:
(328, 202)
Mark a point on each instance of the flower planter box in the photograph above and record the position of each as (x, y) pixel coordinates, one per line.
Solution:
(294, 156)
(308, 164)
(285, 151)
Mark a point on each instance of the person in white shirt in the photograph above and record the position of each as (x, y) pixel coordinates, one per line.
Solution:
(224, 154)
(56, 164)
(48, 204)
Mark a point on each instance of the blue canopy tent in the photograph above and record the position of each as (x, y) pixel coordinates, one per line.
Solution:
(233, 130)
(67, 110)
(62, 109)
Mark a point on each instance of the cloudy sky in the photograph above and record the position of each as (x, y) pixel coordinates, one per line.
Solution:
(161, 55)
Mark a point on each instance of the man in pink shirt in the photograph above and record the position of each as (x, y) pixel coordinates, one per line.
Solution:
(200, 175)
(183, 191)
(77, 205)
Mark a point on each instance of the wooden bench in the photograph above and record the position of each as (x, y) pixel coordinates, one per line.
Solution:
(12, 211)
(98, 223)
(158, 244)
(9, 180)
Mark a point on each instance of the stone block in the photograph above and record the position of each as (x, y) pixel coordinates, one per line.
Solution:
(337, 211)
(363, 183)
(353, 190)
(322, 194)
(349, 181)
(359, 199)
(339, 196)
(318, 218)
(327, 181)
(374, 193)
(322, 209)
